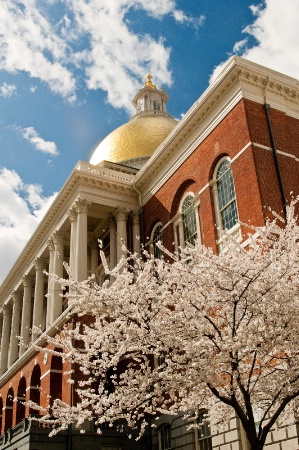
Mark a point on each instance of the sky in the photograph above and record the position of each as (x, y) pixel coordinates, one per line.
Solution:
(70, 68)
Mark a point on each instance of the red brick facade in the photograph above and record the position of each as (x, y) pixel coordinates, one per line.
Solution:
(41, 379)
(244, 130)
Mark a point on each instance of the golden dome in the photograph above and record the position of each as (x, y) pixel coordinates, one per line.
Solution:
(136, 139)
(133, 143)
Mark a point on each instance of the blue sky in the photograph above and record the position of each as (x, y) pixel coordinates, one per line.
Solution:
(69, 69)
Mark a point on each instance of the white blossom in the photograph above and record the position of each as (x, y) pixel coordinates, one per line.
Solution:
(224, 329)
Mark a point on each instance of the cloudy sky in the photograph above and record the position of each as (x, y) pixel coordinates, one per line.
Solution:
(69, 69)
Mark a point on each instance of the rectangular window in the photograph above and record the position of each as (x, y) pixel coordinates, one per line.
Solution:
(204, 432)
(165, 437)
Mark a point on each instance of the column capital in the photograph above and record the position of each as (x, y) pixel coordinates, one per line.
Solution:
(58, 237)
(135, 216)
(120, 214)
(16, 296)
(72, 213)
(111, 219)
(50, 245)
(40, 263)
(7, 309)
(28, 280)
(82, 205)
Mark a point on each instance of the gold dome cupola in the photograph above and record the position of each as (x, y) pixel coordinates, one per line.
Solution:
(133, 143)
(150, 100)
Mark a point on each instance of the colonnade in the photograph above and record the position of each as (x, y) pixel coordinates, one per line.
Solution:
(18, 315)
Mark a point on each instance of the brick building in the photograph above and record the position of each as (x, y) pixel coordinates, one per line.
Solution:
(234, 154)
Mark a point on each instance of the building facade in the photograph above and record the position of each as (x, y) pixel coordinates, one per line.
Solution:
(234, 155)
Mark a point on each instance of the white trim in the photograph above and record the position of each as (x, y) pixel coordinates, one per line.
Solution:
(264, 147)
(50, 371)
(32, 388)
(241, 151)
(191, 193)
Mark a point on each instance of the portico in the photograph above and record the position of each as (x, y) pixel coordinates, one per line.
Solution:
(95, 210)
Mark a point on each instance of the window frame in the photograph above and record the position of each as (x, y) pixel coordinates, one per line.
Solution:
(152, 240)
(178, 226)
(162, 428)
(235, 230)
(205, 442)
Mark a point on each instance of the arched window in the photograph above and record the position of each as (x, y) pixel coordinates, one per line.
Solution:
(186, 225)
(203, 432)
(225, 202)
(189, 220)
(34, 392)
(21, 398)
(9, 409)
(157, 236)
(56, 377)
(226, 195)
(165, 437)
(156, 105)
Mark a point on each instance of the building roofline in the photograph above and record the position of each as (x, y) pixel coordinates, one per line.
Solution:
(245, 79)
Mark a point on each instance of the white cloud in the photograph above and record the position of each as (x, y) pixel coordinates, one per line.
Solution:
(92, 40)
(39, 143)
(7, 90)
(239, 45)
(277, 34)
(29, 43)
(22, 206)
(181, 17)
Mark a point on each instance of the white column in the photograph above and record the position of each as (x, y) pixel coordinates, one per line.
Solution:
(40, 265)
(181, 232)
(58, 239)
(26, 312)
(175, 234)
(50, 294)
(81, 257)
(94, 247)
(73, 239)
(7, 313)
(15, 328)
(196, 203)
(113, 242)
(121, 215)
(136, 231)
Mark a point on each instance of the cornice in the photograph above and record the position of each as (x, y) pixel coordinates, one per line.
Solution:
(239, 79)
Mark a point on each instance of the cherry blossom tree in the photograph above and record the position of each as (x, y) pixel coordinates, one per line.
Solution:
(188, 331)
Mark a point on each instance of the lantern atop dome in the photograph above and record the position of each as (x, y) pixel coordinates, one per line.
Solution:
(150, 99)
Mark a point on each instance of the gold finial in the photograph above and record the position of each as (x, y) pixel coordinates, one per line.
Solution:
(148, 81)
